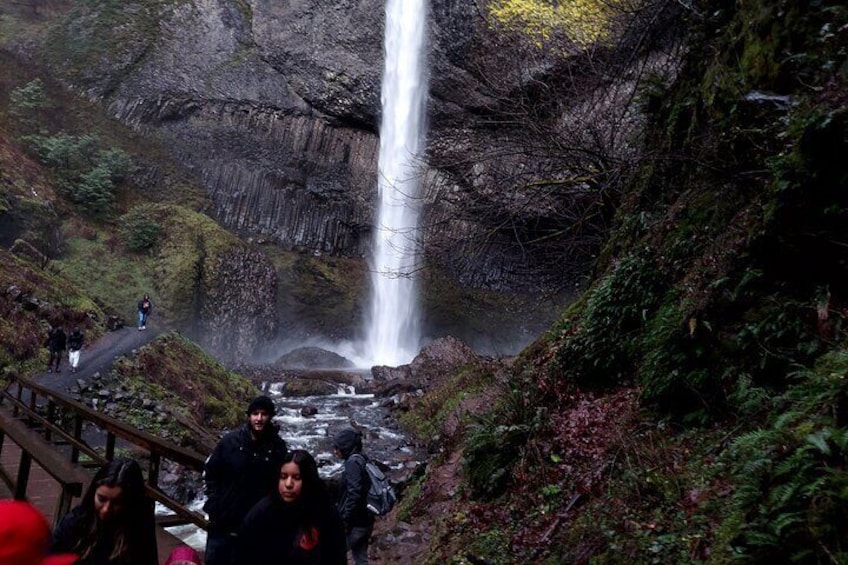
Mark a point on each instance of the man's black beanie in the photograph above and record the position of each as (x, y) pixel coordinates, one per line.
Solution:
(261, 403)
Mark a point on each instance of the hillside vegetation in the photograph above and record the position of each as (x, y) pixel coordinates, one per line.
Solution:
(691, 405)
(81, 244)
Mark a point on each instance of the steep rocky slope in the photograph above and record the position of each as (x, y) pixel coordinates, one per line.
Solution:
(274, 109)
(690, 406)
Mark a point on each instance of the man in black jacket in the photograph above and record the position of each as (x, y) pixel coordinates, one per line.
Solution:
(243, 468)
(358, 520)
(56, 346)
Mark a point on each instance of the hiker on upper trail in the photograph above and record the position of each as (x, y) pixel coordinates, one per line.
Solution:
(296, 524)
(358, 520)
(75, 341)
(243, 468)
(56, 341)
(144, 308)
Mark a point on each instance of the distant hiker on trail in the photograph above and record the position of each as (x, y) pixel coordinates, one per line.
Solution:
(358, 520)
(56, 341)
(75, 341)
(296, 524)
(144, 308)
(243, 469)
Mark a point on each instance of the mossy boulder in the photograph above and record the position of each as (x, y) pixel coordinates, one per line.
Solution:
(177, 372)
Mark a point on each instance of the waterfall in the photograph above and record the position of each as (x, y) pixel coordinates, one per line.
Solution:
(393, 332)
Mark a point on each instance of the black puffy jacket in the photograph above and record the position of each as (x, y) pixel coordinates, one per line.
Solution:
(273, 532)
(75, 341)
(238, 474)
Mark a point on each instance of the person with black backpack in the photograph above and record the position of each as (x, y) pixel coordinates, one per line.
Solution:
(353, 494)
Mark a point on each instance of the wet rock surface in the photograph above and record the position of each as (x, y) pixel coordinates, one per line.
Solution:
(313, 358)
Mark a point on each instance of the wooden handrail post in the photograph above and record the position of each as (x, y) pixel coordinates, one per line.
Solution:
(32, 401)
(153, 470)
(110, 446)
(77, 436)
(23, 476)
(20, 395)
(51, 417)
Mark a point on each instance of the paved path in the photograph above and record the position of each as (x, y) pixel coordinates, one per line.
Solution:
(96, 357)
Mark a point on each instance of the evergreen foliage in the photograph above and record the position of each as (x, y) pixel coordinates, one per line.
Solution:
(598, 349)
(87, 174)
(26, 102)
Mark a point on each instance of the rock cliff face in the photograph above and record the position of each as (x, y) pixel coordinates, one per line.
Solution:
(236, 316)
(274, 107)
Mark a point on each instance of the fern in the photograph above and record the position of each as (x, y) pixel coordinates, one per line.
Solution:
(791, 496)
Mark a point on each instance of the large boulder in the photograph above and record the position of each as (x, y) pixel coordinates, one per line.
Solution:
(437, 360)
(313, 358)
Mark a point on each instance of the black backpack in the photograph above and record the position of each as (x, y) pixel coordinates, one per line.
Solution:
(381, 495)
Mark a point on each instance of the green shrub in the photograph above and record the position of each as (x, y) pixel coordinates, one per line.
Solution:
(679, 372)
(26, 102)
(87, 175)
(602, 349)
(139, 229)
(491, 451)
(495, 442)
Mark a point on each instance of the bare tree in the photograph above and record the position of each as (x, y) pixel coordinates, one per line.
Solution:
(537, 178)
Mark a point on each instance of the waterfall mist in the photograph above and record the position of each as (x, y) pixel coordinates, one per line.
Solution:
(393, 332)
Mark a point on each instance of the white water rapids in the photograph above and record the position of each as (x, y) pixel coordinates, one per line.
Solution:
(393, 329)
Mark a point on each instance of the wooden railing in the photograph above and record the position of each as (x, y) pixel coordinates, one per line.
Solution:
(61, 420)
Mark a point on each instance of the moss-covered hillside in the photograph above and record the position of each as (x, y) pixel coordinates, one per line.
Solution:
(79, 247)
(691, 405)
(202, 396)
(32, 301)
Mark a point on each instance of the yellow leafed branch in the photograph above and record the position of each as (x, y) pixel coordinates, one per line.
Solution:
(584, 22)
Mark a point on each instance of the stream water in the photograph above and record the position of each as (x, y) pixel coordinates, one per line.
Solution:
(382, 439)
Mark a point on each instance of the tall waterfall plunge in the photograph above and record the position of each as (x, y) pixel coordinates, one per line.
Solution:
(393, 332)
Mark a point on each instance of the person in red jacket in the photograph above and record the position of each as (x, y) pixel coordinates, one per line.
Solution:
(25, 536)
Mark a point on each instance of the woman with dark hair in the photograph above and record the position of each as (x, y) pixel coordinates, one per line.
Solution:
(113, 524)
(297, 524)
